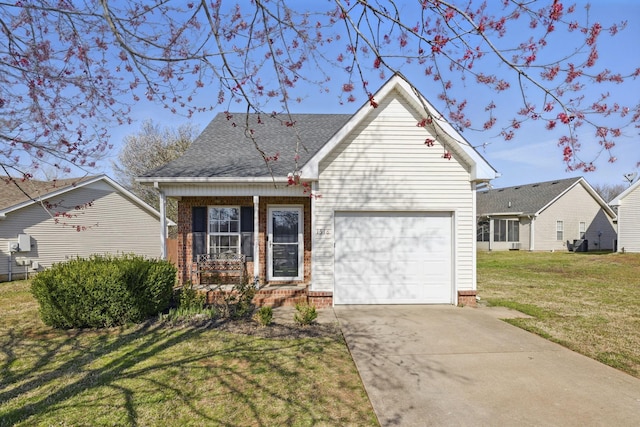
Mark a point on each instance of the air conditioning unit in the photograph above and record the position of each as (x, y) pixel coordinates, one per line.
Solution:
(515, 246)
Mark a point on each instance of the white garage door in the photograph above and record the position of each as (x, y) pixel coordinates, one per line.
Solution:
(392, 258)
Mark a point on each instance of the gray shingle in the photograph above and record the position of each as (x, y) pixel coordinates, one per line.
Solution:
(224, 150)
(526, 199)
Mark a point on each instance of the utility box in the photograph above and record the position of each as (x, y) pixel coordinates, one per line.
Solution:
(24, 243)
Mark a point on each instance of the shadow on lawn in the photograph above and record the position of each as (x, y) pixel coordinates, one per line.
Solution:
(97, 359)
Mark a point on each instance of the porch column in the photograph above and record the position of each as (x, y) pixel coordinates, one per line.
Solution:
(163, 225)
(532, 234)
(256, 237)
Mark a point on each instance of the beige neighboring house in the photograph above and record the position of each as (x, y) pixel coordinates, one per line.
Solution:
(628, 207)
(565, 214)
(71, 218)
(377, 217)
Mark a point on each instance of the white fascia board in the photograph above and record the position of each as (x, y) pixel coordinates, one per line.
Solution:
(50, 195)
(310, 170)
(618, 200)
(156, 181)
(481, 170)
(85, 183)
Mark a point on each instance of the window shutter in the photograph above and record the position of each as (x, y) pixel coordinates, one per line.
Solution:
(246, 219)
(199, 230)
(246, 228)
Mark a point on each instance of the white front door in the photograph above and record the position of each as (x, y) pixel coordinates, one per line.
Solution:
(285, 253)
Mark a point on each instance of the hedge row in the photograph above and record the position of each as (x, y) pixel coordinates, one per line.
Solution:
(103, 291)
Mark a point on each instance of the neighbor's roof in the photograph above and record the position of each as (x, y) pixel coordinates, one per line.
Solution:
(16, 194)
(223, 149)
(12, 190)
(529, 199)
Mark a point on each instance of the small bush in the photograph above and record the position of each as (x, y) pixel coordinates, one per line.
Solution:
(305, 314)
(191, 306)
(238, 303)
(103, 291)
(264, 316)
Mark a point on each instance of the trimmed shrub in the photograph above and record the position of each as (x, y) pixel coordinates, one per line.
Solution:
(103, 291)
(305, 314)
(264, 316)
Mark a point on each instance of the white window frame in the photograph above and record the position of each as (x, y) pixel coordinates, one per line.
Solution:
(582, 229)
(560, 231)
(508, 236)
(213, 234)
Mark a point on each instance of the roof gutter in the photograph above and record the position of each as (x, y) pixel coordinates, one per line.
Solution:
(155, 181)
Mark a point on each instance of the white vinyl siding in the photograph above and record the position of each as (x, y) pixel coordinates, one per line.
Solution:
(113, 224)
(629, 222)
(384, 165)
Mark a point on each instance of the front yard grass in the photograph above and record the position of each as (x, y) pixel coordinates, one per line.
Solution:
(172, 376)
(588, 302)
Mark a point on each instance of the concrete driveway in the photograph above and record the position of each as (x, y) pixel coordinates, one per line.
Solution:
(444, 365)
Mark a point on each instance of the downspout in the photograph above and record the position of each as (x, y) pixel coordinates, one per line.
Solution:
(490, 232)
(163, 222)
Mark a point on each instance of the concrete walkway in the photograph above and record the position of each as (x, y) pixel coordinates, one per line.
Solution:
(444, 365)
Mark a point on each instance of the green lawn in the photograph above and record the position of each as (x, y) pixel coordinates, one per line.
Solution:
(158, 375)
(588, 302)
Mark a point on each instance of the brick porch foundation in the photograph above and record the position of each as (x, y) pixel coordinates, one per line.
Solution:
(274, 296)
(467, 298)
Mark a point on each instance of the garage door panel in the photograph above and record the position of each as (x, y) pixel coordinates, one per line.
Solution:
(392, 258)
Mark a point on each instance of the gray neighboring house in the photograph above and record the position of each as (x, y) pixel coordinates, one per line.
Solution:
(628, 209)
(69, 218)
(374, 215)
(564, 214)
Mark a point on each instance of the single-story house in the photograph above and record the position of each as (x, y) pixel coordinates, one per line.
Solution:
(627, 204)
(76, 217)
(565, 214)
(380, 210)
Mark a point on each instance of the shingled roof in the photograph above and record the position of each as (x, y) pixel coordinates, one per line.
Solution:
(223, 150)
(528, 199)
(12, 190)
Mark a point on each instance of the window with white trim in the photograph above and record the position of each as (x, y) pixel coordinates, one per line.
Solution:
(560, 230)
(582, 229)
(506, 230)
(224, 229)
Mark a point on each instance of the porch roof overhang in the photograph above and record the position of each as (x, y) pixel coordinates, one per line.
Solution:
(177, 187)
(506, 214)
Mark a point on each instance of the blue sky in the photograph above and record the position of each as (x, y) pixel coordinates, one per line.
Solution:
(533, 154)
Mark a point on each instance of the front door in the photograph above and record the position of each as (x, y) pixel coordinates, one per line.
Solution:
(285, 246)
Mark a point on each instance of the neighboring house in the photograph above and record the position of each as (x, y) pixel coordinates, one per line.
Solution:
(628, 209)
(67, 218)
(374, 215)
(565, 214)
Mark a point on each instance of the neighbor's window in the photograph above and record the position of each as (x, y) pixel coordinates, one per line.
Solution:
(506, 230)
(560, 230)
(582, 231)
(483, 231)
(224, 229)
